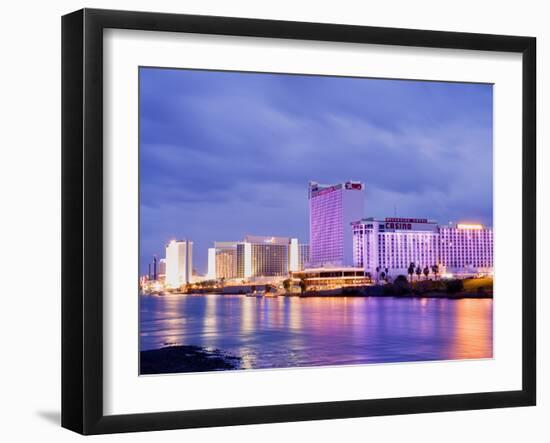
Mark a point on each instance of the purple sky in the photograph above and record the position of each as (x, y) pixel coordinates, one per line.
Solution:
(227, 154)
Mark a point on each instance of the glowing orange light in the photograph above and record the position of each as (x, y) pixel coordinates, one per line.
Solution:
(469, 226)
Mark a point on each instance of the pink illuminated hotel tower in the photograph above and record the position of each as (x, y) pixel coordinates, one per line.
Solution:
(332, 209)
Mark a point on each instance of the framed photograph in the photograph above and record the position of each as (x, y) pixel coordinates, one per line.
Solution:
(269, 221)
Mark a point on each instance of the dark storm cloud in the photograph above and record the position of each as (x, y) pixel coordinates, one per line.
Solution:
(226, 154)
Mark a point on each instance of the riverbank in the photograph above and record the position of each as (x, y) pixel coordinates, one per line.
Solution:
(177, 359)
(360, 292)
(401, 287)
(365, 291)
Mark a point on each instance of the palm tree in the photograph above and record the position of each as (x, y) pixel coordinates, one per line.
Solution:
(387, 272)
(418, 272)
(410, 271)
(378, 268)
(435, 271)
(426, 272)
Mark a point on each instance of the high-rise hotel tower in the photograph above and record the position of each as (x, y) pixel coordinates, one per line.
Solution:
(332, 209)
(179, 263)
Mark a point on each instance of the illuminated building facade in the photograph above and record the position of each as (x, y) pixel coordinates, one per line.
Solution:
(162, 269)
(226, 259)
(244, 260)
(179, 263)
(466, 248)
(211, 272)
(294, 255)
(303, 256)
(229, 260)
(394, 243)
(332, 278)
(256, 256)
(332, 209)
(270, 256)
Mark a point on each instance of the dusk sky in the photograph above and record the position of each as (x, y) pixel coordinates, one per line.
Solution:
(225, 154)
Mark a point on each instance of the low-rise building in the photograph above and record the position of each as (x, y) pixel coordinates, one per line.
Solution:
(333, 278)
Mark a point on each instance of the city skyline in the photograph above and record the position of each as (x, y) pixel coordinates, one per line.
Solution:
(399, 222)
(390, 244)
(209, 173)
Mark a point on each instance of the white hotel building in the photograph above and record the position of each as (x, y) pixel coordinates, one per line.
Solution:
(179, 263)
(394, 243)
(332, 209)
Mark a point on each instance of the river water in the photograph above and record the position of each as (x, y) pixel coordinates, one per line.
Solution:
(297, 332)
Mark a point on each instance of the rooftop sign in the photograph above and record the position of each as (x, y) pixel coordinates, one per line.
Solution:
(354, 185)
(405, 220)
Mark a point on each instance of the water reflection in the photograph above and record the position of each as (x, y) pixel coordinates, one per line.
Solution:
(471, 337)
(285, 332)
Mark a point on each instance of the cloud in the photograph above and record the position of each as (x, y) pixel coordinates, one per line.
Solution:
(226, 154)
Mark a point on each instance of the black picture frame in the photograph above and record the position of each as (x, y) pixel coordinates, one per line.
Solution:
(82, 215)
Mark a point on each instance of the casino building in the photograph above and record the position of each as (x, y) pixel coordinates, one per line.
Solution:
(255, 256)
(394, 243)
(332, 209)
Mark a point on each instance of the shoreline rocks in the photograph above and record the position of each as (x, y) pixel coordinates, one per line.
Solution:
(178, 359)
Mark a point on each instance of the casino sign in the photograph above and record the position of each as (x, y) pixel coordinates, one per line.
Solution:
(404, 223)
